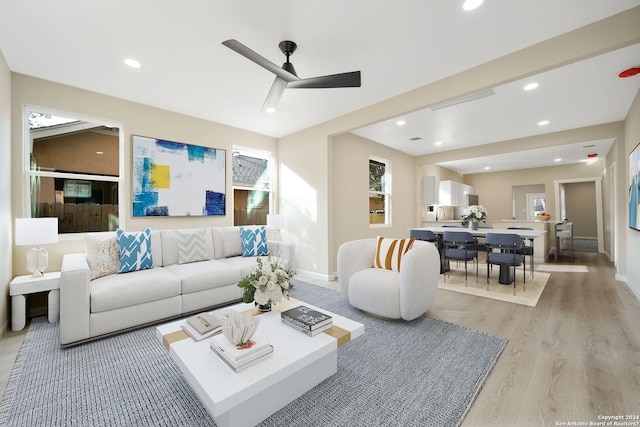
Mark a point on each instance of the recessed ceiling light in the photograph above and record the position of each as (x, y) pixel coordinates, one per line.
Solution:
(487, 168)
(471, 4)
(439, 143)
(270, 110)
(557, 160)
(543, 122)
(132, 63)
(99, 152)
(401, 123)
(531, 86)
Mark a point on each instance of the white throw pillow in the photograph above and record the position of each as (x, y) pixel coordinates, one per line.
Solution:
(232, 241)
(192, 246)
(102, 256)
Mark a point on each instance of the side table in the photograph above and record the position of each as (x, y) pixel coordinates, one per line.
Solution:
(23, 285)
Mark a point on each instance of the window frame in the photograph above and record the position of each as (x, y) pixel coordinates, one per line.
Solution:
(387, 177)
(28, 174)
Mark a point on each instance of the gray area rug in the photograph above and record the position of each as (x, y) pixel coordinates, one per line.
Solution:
(420, 373)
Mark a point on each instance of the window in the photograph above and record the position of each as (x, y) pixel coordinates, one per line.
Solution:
(252, 177)
(72, 171)
(379, 191)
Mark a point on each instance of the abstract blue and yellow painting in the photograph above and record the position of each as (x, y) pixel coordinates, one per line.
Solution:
(177, 179)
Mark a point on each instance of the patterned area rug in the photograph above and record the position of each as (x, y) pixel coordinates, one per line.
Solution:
(420, 373)
(525, 293)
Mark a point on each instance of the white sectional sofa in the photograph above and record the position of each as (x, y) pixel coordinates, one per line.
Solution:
(92, 308)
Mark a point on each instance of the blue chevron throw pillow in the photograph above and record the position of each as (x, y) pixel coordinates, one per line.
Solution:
(254, 241)
(135, 250)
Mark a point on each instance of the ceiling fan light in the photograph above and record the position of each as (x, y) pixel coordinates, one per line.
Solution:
(132, 63)
(471, 4)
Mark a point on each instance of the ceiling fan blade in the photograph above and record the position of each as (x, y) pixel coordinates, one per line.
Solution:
(275, 93)
(351, 79)
(238, 47)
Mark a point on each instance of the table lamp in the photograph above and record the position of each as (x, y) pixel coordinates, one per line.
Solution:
(35, 232)
(275, 221)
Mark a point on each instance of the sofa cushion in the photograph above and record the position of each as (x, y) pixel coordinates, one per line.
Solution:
(205, 275)
(102, 256)
(254, 241)
(192, 246)
(376, 291)
(389, 252)
(123, 290)
(232, 241)
(135, 250)
(170, 244)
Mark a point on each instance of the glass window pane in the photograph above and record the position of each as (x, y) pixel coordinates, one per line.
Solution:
(376, 176)
(92, 151)
(80, 205)
(250, 207)
(377, 209)
(250, 171)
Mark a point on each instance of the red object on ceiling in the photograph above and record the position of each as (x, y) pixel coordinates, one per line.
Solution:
(630, 72)
(592, 155)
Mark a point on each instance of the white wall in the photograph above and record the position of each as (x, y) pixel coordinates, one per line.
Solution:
(631, 247)
(6, 227)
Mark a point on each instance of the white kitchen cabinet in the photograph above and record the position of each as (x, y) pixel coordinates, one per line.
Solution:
(430, 190)
(453, 193)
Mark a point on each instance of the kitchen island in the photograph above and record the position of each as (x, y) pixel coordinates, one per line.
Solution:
(541, 246)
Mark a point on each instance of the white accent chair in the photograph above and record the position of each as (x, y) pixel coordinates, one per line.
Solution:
(407, 294)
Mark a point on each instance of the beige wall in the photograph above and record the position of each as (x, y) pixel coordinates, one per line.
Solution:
(495, 189)
(350, 191)
(133, 119)
(6, 273)
(580, 199)
(630, 247)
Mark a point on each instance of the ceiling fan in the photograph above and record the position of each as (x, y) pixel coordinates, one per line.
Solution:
(286, 77)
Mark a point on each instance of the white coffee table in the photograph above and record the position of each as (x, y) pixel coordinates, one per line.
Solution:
(298, 364)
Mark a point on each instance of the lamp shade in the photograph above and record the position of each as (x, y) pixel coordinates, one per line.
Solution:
(36, 231)
(275, 221)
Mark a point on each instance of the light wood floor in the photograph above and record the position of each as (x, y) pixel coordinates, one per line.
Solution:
(572, 358)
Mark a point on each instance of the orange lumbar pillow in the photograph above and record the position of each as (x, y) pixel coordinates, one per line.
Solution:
(389, 252)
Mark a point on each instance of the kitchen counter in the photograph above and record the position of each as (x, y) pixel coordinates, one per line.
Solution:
(541, 246)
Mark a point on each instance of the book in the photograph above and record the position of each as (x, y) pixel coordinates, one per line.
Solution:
(237, 367)
(235, 355)
(204, 322)
(203, 325)
(306, 331)
(306, 317)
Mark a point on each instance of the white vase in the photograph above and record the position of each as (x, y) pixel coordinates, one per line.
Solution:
(473, 225)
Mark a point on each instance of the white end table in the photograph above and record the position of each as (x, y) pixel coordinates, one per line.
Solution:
(23, 285)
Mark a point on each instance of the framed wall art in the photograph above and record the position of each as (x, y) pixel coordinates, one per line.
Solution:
(634, 188)
(177, 179)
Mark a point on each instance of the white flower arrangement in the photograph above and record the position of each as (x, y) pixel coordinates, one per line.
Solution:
(268, 284)
(474, 213)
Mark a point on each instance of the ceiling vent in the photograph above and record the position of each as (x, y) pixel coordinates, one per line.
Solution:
(463, 99)
(415, 138)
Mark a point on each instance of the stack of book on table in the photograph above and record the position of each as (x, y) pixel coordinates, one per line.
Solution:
(203, 325)
(306, 320)
(238, 358)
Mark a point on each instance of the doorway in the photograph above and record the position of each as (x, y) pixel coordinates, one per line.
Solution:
(584, 210)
